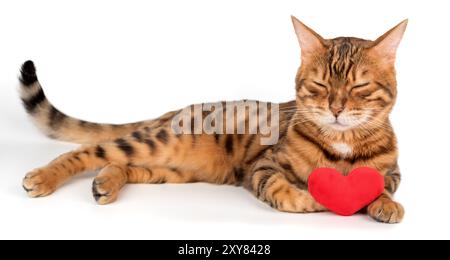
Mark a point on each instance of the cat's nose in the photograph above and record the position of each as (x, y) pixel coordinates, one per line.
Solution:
(336, 110)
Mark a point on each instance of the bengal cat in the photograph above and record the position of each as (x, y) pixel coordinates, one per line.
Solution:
(345, 91)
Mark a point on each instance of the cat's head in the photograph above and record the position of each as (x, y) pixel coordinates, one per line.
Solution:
(346, 83)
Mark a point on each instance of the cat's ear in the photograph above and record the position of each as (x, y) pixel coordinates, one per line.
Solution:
(386, 46)
(310, 41)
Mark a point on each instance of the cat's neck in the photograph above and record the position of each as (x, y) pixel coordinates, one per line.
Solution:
(345, 144)
(328, 135)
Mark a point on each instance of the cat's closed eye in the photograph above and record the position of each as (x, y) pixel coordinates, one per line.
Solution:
(319, 89)
(365, 94)
(359, 86)
(322, 85)
(361, 90)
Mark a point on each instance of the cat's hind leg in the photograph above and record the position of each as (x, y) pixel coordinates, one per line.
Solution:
(45, 180)
(133, 149)
(112, 179)
(108, 183)
(148, 148)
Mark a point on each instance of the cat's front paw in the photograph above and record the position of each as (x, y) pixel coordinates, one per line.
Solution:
(40, 183)
(385, 210)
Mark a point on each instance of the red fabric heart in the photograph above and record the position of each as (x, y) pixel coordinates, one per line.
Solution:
(345, 195)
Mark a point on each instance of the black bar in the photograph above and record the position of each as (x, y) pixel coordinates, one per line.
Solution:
(223, 249)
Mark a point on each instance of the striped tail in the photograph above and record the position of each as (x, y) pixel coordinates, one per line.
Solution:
(60, 126)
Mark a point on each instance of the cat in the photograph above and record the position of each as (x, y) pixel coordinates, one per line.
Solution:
(345, 90)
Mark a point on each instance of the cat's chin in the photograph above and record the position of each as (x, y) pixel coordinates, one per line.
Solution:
(338, 127)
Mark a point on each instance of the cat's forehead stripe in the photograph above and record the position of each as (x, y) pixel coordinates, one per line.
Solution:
(343, 54)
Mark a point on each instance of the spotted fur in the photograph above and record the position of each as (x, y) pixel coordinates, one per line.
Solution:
(347, 79)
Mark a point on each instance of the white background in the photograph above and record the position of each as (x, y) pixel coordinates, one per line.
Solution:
(121, 61)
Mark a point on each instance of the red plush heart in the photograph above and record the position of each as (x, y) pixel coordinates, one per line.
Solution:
(345, 195)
